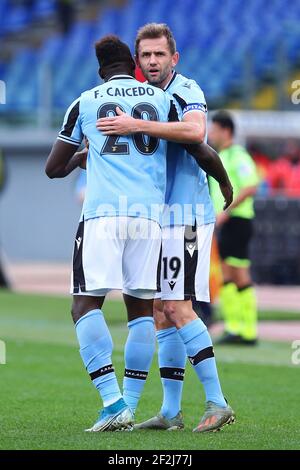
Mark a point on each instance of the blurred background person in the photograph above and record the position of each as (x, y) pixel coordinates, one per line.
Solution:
(284, 174)
(234, 231)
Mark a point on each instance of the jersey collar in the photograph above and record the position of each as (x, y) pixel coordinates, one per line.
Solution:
(171, 81)
(118, 77)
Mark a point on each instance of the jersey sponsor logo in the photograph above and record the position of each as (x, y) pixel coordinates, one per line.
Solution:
(172, 284)
(190, 247)
(195, 107)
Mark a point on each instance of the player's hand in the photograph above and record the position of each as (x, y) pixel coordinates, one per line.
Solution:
(82, 158)
(227, 191)
(122, 124)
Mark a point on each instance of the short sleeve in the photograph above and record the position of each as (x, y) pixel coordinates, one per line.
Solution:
(71, 131)
(190, 97)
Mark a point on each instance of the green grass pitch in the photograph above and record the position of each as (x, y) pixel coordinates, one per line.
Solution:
(47, 399)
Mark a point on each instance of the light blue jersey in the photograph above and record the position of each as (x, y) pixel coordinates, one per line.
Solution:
(126, 175)
(187, 189)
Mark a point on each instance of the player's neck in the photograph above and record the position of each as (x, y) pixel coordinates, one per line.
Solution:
(116, 70)
(165, 83)
(226, 144)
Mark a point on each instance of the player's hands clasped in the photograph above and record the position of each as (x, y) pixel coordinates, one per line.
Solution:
(122, 124)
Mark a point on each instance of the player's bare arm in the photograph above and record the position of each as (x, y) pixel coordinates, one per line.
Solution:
(209, 160)
(189, 130)
(63, 159)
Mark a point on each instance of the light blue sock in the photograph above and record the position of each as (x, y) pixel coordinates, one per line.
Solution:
(171, 361)
(95, 349)
(139, 350)
(201, 355)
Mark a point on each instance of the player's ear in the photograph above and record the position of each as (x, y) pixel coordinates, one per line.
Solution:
(136, 58)
(175, 59)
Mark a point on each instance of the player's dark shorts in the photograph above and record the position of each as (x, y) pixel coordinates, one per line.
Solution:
(234, 237)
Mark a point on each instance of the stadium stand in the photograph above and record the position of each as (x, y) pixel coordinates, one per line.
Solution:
(275, 245)
(222, 38)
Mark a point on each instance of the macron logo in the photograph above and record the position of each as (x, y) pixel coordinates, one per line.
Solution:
(78, 241)
(190, 247)
(172, 284)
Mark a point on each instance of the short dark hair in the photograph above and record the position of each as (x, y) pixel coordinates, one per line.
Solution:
(111, 51)
(155, 31)
(224, 120)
